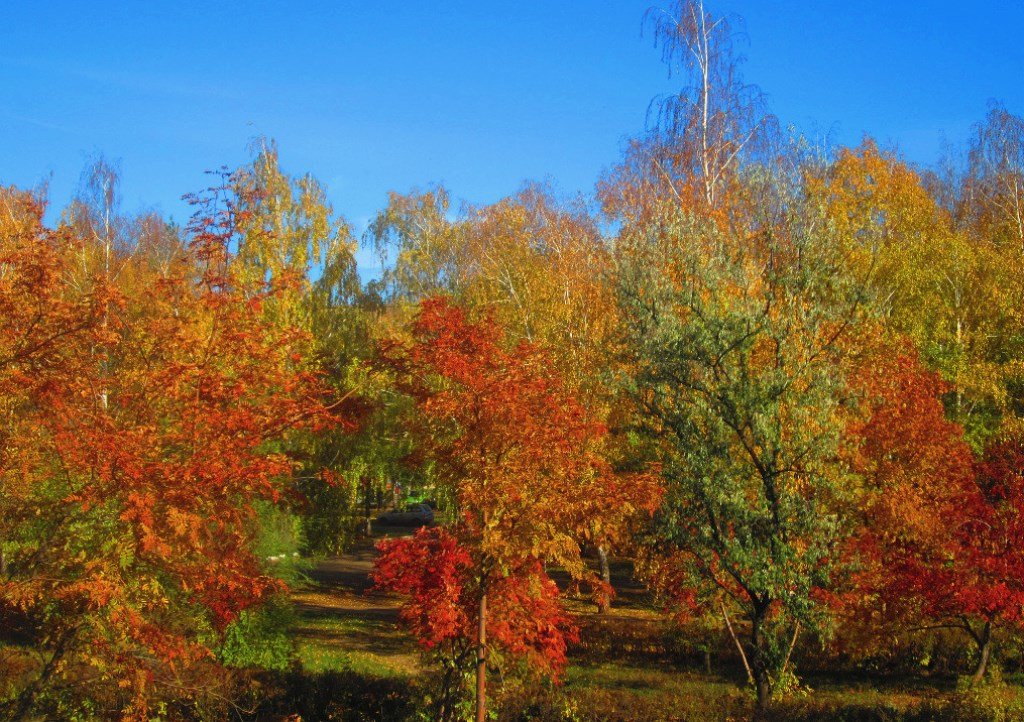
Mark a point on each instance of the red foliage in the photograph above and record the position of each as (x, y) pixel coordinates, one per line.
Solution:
(913, 459)
(980, 569)
(521, 454)
(439, 578)
(942, 531)
(523, 461)
(431, 568)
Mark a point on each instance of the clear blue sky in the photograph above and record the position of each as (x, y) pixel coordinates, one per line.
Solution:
(373, 96)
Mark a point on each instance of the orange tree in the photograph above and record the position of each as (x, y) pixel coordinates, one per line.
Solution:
(521, 459)
(135, 465)
(47, 337)
(910, 461)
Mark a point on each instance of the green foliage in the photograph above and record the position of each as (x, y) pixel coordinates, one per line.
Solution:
(737, 358)
(261, 637)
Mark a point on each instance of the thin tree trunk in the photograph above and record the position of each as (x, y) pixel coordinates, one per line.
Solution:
(792, 645)
(444, 705)
(481, 662)
(739, 645)
(367, 489)
(984, 640)
(605, 601)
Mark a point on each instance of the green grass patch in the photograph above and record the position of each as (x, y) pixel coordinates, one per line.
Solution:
(345, 642)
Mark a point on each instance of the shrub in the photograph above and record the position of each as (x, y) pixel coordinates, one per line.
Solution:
(261, 637)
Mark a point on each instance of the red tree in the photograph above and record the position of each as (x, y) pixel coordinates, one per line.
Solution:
(522, 460)
(975, 579)
(942, 530)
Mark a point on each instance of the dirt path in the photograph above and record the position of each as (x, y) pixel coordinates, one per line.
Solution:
(343, 584)
(344, 625)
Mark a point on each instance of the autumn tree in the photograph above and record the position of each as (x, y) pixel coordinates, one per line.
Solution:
(935, 283)
(700, 138)
(937, 544)
(736, 364)
(911, 465)
(47, 333)
(538, 263)
(419, 245)
(521, 460)
(129, 546)
(968, 577)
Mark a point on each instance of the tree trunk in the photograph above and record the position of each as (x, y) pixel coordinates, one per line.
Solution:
(444, 706)
(758, 663)
(604, 602)
(739, 645)
(481, 662)
(367, 490)
(984, 641)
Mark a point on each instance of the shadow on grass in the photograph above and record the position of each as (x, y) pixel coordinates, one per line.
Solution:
(341, 696)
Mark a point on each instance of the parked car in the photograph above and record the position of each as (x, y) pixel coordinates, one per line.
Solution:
(411, 515)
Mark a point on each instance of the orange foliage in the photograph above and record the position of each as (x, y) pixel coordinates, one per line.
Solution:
(143, 429)
(522, 460)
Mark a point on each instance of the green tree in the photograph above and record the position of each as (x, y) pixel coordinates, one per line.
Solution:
(736, 354)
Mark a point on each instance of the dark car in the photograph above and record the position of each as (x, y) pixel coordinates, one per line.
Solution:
(411, 515)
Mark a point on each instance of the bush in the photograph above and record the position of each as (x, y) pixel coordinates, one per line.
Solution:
(261, 637)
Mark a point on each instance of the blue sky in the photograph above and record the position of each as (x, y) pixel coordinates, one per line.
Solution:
(374, 96)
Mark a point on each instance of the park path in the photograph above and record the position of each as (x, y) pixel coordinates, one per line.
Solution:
(340, 614)
(345, 580)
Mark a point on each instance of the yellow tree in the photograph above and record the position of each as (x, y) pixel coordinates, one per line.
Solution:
(289, 232)
(958, 299)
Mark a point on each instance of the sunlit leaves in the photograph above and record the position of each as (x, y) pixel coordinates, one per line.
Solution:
(134, 457)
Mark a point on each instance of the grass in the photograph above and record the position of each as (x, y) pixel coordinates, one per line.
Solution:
(341, 626)
(630, 664)
(644, 680)
(328, 644)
